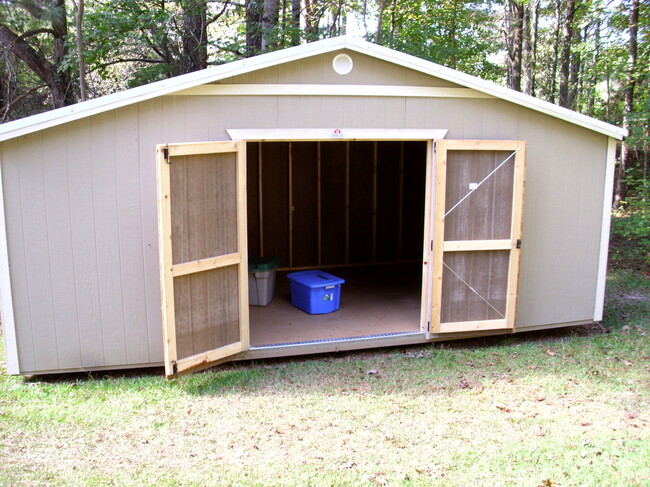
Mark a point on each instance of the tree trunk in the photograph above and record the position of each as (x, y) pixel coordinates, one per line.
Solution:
(574, 76)
(56, 78)
(270, 16)
(194, 36)
(79, 16)
(594, 75)
(380, 21)
(514, 33)
(295, 22)
(530, 47)
(621, 183)
(565, 55)
(556, 49)
(312, 19)
(253, 27)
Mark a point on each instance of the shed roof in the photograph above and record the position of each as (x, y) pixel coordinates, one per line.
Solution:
(169, 86)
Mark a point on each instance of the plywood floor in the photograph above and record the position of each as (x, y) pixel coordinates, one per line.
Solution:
(374, 300)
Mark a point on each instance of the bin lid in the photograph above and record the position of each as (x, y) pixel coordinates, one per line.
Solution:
(315, 278)
(262, 264)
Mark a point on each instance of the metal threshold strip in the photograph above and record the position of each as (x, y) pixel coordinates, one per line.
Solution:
(383, 336)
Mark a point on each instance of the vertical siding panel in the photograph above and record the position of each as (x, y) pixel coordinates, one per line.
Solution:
(152, 130)
(84, 251)
(375, 112)
(540, 233)
(564, 205)
(416, 114)
(354, 116)
(395, 112)
(11, 165)
(500, 121)
(591, 173)
(221, 105)
(265, 109)
(196, 118)
(37, 253)
(311, 112)
(526, 263)
(332, 110)
(107, 235)
(130, 235)
(289, 112)
(176, 122)
(436, 117)
(57, 191)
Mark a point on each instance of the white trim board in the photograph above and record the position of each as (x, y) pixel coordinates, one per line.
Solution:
(608, 191)
(330, 134)
(330, 90)
(6, 299)
(211, 75)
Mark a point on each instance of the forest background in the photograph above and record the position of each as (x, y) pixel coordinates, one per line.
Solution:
(591, 56)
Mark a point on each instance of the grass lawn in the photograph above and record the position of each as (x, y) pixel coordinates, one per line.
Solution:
(568, 407)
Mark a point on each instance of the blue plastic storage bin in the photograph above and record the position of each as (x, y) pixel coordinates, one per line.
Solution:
(315, 292)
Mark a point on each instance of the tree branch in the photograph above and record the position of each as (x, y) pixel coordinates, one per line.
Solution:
(216, 17)
(128, 60)
(20, 98)
(31, 33)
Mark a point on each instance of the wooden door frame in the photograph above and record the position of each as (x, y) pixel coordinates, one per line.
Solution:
(428, 136)
(169, 270)
(513, 244)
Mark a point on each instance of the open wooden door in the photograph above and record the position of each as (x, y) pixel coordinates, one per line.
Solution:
(203, 256)
(479, 193)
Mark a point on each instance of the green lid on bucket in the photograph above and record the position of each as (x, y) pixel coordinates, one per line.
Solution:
(262, 264)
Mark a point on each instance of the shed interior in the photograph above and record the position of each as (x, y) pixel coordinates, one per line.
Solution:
(352, 208)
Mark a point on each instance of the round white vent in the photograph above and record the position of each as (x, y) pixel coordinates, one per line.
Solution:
(342, 64)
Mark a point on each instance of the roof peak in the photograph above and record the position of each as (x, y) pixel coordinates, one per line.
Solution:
(355, 43)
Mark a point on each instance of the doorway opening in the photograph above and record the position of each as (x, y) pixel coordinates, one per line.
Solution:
(355, 209)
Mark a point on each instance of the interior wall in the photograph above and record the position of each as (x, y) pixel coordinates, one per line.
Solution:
(335, 203)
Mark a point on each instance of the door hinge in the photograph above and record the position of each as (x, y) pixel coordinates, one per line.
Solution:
(174, 367)
(518, 243)
(432, 246)
(166, 154)
(428, 327)
(435, 146)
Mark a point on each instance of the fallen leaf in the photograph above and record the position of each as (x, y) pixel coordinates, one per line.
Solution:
(504, 408)
(550, 353)
(372, 371)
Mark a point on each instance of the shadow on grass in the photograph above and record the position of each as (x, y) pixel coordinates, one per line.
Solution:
(306, 373)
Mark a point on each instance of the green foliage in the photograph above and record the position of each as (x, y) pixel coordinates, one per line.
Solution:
(461, 35)
(630, 235)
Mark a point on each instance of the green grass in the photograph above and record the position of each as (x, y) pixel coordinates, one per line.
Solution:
(567, 407)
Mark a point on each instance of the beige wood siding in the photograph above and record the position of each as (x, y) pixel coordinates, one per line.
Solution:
(318, 70)
(80, 204)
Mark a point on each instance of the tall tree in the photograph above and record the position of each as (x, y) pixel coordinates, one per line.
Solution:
(621, 181)
(49, 66)
(531, 29)
(564, 61)
(194, 35)
(514, 41)
(254, 9)
(270, 15)
(79, 7)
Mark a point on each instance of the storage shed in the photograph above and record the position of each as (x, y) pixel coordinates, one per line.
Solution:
(127, 220)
